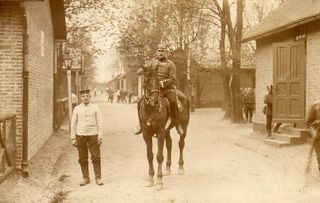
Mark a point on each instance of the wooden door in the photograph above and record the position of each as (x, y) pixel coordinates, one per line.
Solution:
(289, 82)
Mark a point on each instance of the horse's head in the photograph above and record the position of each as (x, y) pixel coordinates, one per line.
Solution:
(152, 86)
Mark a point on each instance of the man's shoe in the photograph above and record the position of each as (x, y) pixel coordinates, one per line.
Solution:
(85, 181)
(99, 181)
(180, 130)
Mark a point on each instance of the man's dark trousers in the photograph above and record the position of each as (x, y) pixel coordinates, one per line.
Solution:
(170, 94)
(84, 143)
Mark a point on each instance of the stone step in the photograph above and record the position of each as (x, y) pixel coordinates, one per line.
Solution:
(276, 143)
(292, 130)
(291, 138)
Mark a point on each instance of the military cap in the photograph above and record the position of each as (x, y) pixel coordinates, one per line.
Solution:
(162, 46)
(85, 91)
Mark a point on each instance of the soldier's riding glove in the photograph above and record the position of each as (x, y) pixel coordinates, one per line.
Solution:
(100, 141)
(74, 143)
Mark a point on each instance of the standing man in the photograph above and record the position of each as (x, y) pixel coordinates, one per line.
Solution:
(167, 78)
(248, 102)
(268, 101)
(313, 124)
(86, 135)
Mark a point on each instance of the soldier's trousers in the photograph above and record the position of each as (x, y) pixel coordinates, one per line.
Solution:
(86, 144)
(268, 125)
(171, 96)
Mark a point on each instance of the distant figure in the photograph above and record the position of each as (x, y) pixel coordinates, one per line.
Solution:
(123, 95)
(118, 96)
(248, 103)
(130, 97)
(95, 91)
(86, 135)
(110, 95)
(74, 99)
(268, 110)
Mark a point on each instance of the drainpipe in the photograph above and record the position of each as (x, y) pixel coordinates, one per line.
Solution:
(25, 75)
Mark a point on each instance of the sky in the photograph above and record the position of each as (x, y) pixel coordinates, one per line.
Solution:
(103, 62)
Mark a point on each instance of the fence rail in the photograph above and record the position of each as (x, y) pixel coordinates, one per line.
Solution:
(7, 145)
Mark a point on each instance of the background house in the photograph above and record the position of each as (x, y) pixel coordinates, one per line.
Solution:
(29, 31)
(288, 55)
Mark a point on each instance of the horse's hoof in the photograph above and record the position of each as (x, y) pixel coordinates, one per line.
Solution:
(181, 171)
(167, 172)
(159, 187)
(149, 184)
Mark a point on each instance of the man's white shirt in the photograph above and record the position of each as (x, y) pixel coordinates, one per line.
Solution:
(86, 121)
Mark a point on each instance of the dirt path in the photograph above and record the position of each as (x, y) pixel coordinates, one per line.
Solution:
(224, 163)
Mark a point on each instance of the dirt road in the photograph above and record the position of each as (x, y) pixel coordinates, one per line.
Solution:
(224, 162)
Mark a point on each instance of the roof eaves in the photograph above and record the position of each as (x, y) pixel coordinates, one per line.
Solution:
(282, 28)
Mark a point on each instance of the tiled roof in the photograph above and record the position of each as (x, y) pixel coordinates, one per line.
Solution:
(288, 15)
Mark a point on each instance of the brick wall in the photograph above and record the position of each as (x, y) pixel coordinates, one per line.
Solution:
(40, 66)
(11, 64)
(313, 64)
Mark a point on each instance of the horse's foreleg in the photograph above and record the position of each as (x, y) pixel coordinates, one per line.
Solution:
(160, 161)
(181, 161)
(148, 140)
(169, 148)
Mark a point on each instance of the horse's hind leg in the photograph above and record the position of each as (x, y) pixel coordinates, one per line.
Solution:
(181, 146)
(148, 140)
(160, 161)
(169, 148)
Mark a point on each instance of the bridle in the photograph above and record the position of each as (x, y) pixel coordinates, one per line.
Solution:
(147, 100)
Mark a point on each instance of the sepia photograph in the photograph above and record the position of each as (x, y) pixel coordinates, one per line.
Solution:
(159, 101)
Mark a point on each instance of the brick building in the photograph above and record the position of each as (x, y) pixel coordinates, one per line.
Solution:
(29, 31)
(288, 56)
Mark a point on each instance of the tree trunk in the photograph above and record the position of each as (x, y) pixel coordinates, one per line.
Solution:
(235, 36)
(224, 69)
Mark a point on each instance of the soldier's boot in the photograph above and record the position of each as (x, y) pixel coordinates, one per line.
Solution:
(175, 115)
(85, 174)
(97, 172)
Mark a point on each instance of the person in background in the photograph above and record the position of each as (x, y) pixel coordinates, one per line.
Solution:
(268, 111)
(248, 103)
(86, 135)
(74, 100)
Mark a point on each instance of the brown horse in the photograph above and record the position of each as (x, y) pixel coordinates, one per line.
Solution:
(155, 121)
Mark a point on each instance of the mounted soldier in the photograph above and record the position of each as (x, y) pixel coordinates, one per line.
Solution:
(167, 80)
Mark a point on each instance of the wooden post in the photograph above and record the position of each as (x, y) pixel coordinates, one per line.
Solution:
(77, 83)
(69, 98)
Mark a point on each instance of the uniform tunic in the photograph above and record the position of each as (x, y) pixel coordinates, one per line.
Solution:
(86, 121)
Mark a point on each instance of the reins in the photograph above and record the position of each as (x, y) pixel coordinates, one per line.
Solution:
(147, 101)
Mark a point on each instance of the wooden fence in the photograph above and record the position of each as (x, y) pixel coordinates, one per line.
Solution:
(7, 145)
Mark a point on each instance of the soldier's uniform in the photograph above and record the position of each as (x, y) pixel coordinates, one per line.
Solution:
(268, 101)
(167, 78)
(248, 102)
